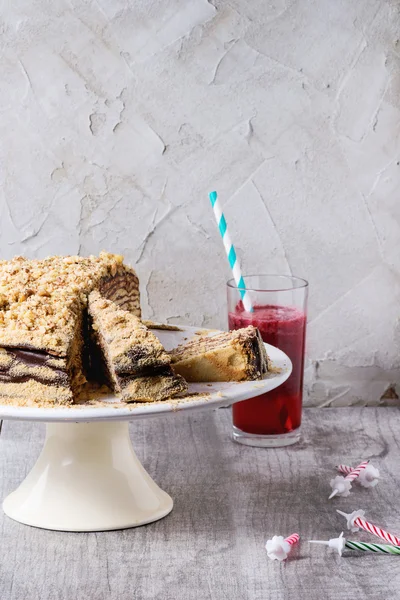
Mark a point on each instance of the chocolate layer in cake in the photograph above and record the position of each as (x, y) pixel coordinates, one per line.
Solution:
(234, 356)
(134, 360)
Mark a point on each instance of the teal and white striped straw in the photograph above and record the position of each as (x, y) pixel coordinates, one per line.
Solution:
(230, 251)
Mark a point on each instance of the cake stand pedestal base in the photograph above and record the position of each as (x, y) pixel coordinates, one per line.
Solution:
(87, 478)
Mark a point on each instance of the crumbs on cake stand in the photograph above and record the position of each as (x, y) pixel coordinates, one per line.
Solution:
(273, 370)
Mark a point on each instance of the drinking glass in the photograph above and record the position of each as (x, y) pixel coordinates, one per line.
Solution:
(280, 313)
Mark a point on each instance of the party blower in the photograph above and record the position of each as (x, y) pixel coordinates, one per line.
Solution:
(279, 548)
(340, 543)
(368, 478)
(341, 486)
(355, 521)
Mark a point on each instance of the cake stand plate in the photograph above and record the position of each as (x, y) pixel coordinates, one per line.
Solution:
(88, 477)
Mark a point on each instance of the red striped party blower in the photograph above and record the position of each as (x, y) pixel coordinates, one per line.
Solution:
(279, 548)
(356, 521)
(368, 478)
(341, 486)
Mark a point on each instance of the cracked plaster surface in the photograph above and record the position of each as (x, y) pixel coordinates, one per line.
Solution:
(118, 117)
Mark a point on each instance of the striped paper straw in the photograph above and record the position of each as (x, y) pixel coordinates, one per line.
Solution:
(230, 251)
(356, 520)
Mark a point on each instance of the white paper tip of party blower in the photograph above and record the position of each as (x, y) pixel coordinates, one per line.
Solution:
(340, 486)
(351, 517)
(369, 477)
(335, 543)
(277, 548)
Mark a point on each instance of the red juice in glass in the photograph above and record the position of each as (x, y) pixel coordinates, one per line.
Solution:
(278, 411)
(279, 305)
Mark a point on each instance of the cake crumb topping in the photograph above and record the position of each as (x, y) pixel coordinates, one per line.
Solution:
(40, 299)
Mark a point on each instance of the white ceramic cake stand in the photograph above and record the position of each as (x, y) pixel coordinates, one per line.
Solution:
(88, 477)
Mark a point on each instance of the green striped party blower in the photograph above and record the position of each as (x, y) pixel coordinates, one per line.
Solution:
(230, 251)
(341, 543)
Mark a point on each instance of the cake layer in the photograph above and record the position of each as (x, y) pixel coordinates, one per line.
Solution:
(17, 363)
(40, 300)
(234, 356)
(123, 289)
(136, 363)
(31, 392)
(28, 375)
(153, 388)
(129, 345)
(43, 306)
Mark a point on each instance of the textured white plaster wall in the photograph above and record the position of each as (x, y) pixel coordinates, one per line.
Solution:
(117, 118)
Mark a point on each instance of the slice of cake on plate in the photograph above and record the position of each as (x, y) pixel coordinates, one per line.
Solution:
(43, 308)
(233, 356)
(132, 357)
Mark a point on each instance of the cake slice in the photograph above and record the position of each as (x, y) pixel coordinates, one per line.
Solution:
(234, 356)
(31, 375)
(43, 314)
(134, 361)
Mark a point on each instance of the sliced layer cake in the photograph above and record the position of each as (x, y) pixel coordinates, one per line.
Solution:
(234, 356)
(134, 360)
(43, 306)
